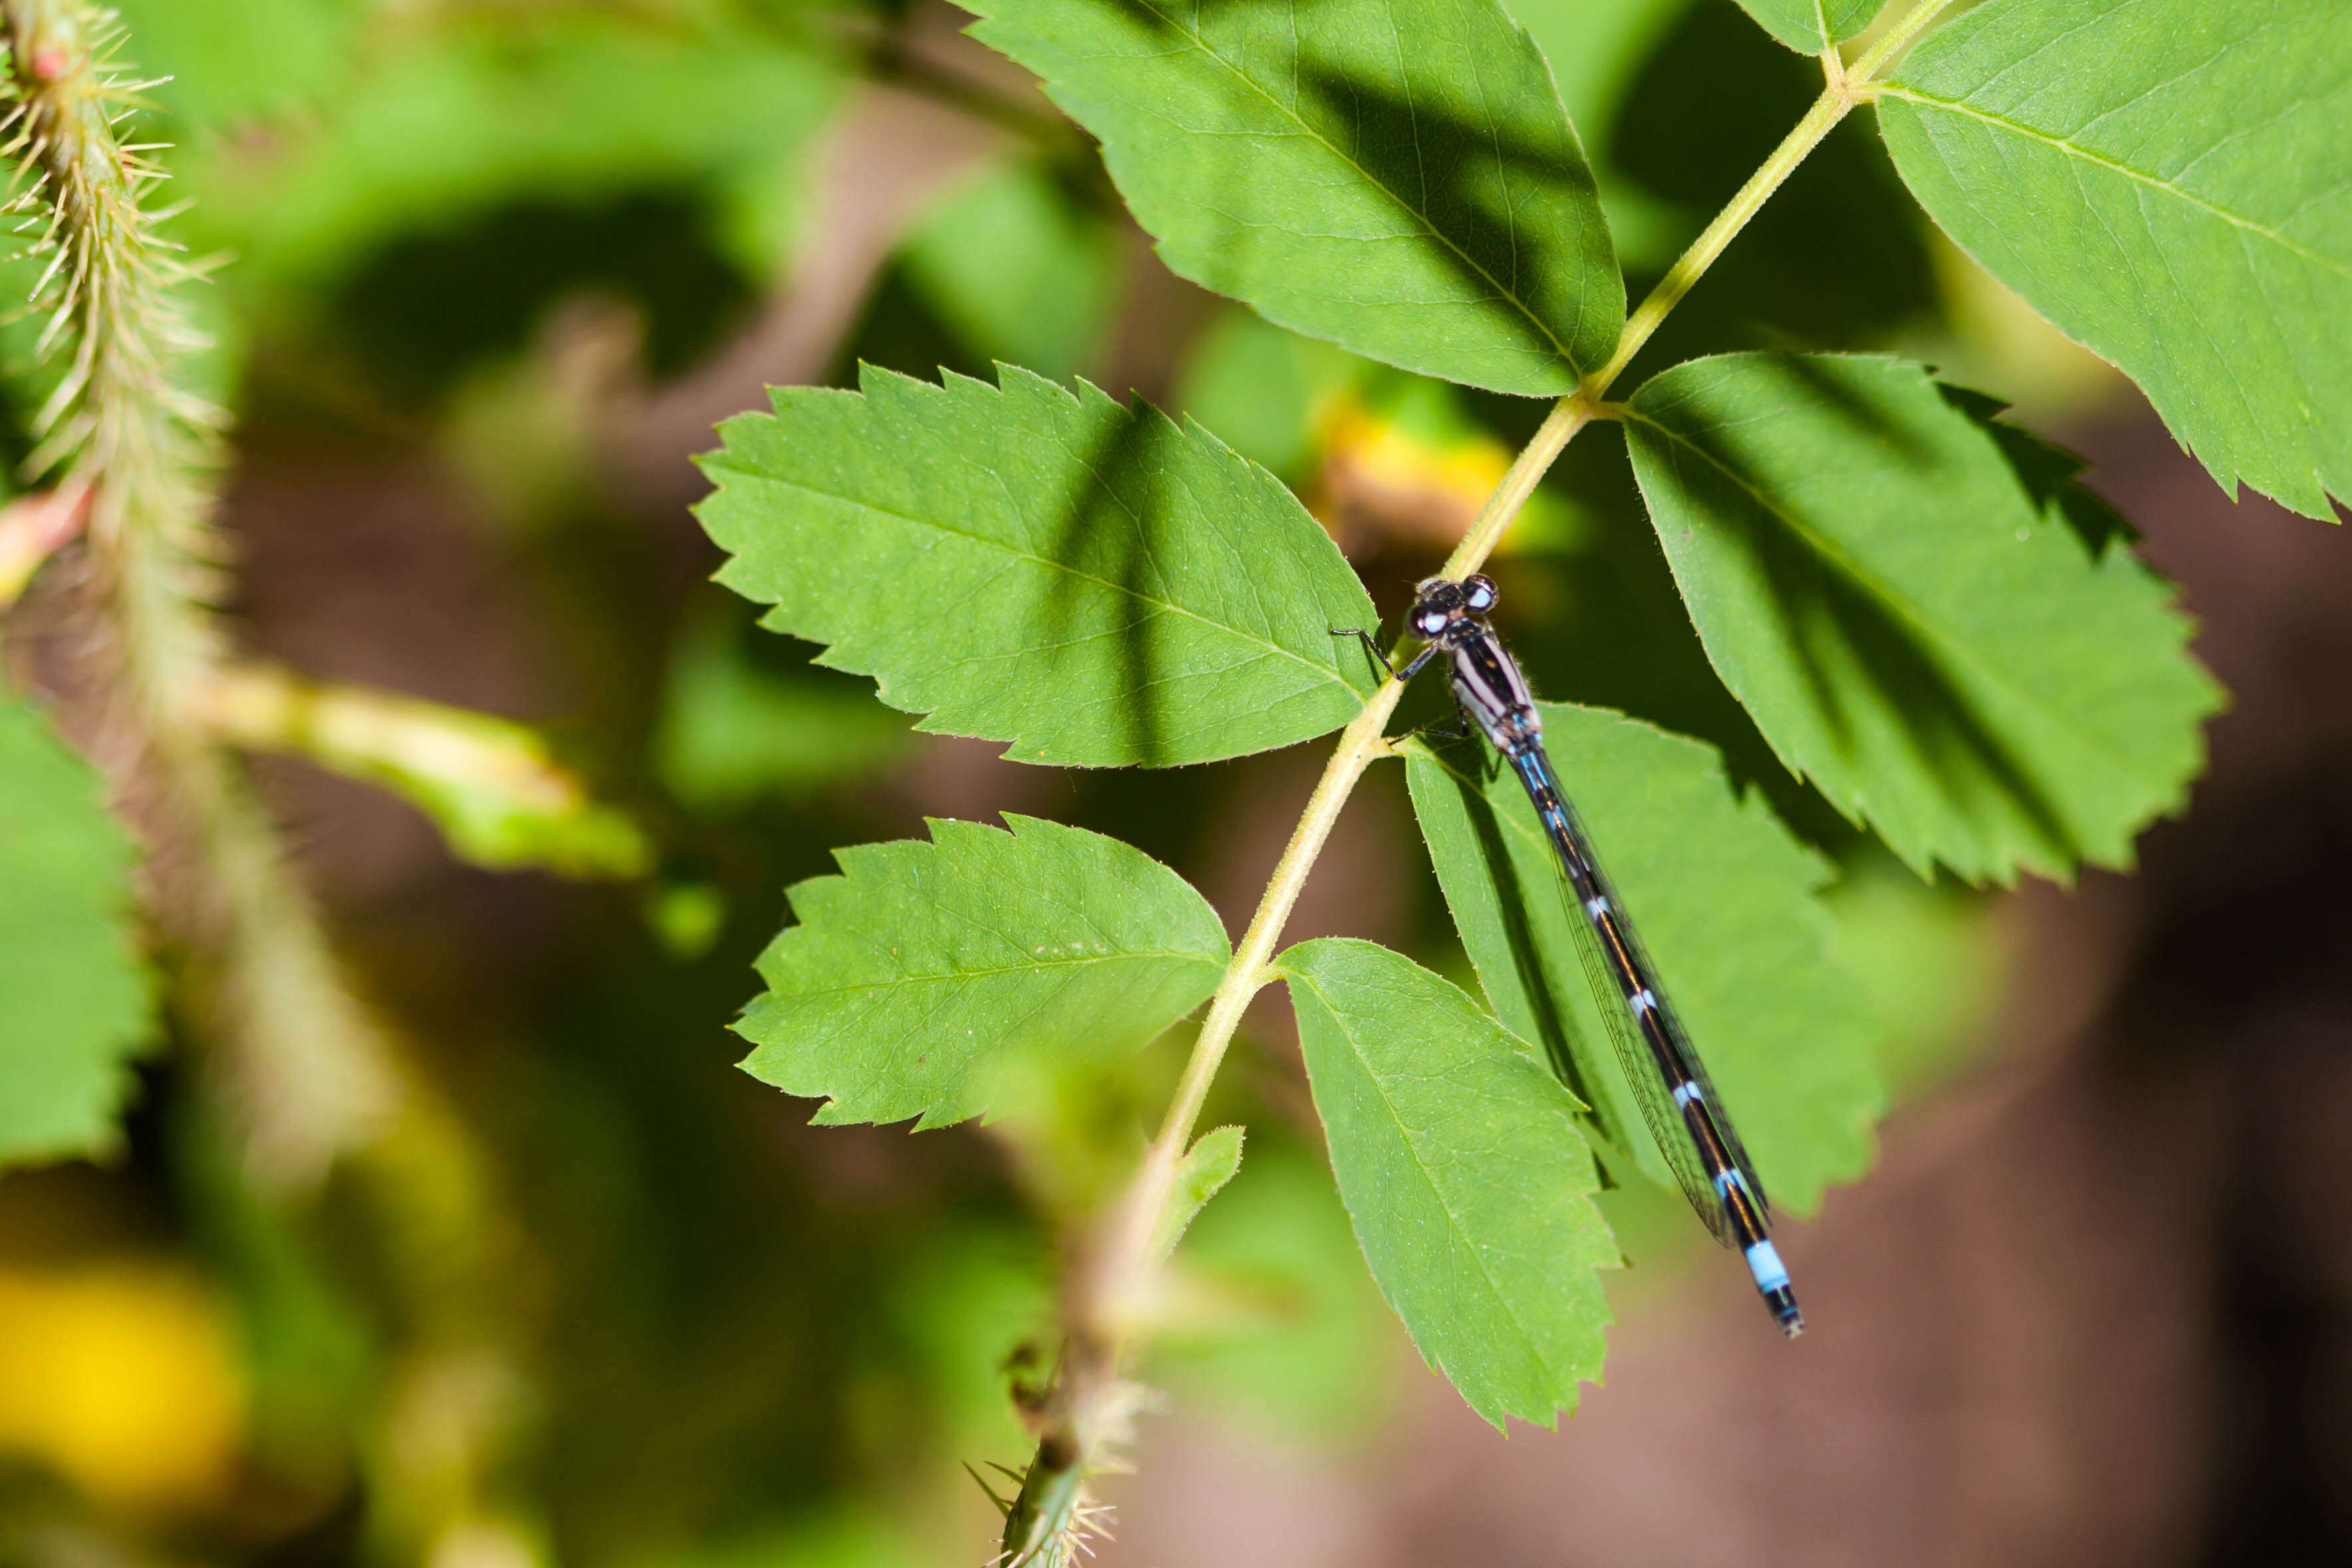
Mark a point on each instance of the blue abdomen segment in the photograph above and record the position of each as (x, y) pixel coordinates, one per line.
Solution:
(1772, 1284)
(1692, 1131)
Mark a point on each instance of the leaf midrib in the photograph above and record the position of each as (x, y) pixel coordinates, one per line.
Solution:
(1955, 646)
(1046, 967)
(2075, 150)
(1324, 672)
(1567, 355)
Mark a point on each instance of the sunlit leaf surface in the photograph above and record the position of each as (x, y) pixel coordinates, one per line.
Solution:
(1089, 581)
(2170, 181)
(1461, 1166)
(1808, 27)
(926, 976)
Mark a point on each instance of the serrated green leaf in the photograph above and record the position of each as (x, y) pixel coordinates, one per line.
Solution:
(76, 1003)
(1089, 581)
(1208, 1166)
(1470, 1190)
(926, 976)
(1808, 27)
(1724, 898)
(1395, 176)
(1901, 601)
(2170, 182)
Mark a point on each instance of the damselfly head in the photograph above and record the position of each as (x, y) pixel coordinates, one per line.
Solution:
(1439, 602)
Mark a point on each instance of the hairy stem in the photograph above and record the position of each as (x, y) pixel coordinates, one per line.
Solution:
(121, 430)
(1109, 1296)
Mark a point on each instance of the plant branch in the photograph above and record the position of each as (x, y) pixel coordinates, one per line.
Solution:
(121, 429)
(1896, 39)
(1112, 1290)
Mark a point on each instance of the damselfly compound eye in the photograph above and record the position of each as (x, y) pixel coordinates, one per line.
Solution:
(1478, 595)
(1429, 622)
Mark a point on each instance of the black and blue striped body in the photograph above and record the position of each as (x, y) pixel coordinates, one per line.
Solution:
(1692, 1129)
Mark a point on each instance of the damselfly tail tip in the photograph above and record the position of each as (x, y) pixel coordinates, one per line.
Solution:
(1772, 1284)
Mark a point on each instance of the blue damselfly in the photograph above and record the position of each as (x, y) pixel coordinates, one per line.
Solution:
(1684, 1114)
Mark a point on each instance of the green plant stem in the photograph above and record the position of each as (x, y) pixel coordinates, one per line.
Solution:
(1835, 101)
(1110, 1292)
(1360, 745)
(303, 1057)
(1896, 39)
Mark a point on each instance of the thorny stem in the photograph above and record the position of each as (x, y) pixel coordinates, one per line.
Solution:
(122, 428)
(1109, 1290)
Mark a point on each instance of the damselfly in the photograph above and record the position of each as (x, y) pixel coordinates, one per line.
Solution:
(1684, 1114)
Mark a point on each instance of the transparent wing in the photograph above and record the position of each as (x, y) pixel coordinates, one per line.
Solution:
(1652, 1049)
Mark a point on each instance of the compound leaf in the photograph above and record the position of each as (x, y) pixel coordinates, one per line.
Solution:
(926, 977)
(2170, 182)
(1396, 176)
(1808, 27)
(1902, 595)
(76, 1003)
(1461, 1167)
(1724, 898)
(1088, 581)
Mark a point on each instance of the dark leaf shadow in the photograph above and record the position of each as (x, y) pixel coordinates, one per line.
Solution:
(1108, 530)
(1556, 1032)
(1838, 258)
(1840, 627)
(1451, 174)
(2047, 472)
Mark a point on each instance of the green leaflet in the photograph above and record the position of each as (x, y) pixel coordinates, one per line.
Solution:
(1460, 1165)
(1208, 1166)
(1723, 896)
(1808, 27)
(1901, 594)
(2170, 182)
(1088, 581)
(76, 1006)
(927, 978)
(1396, 176)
